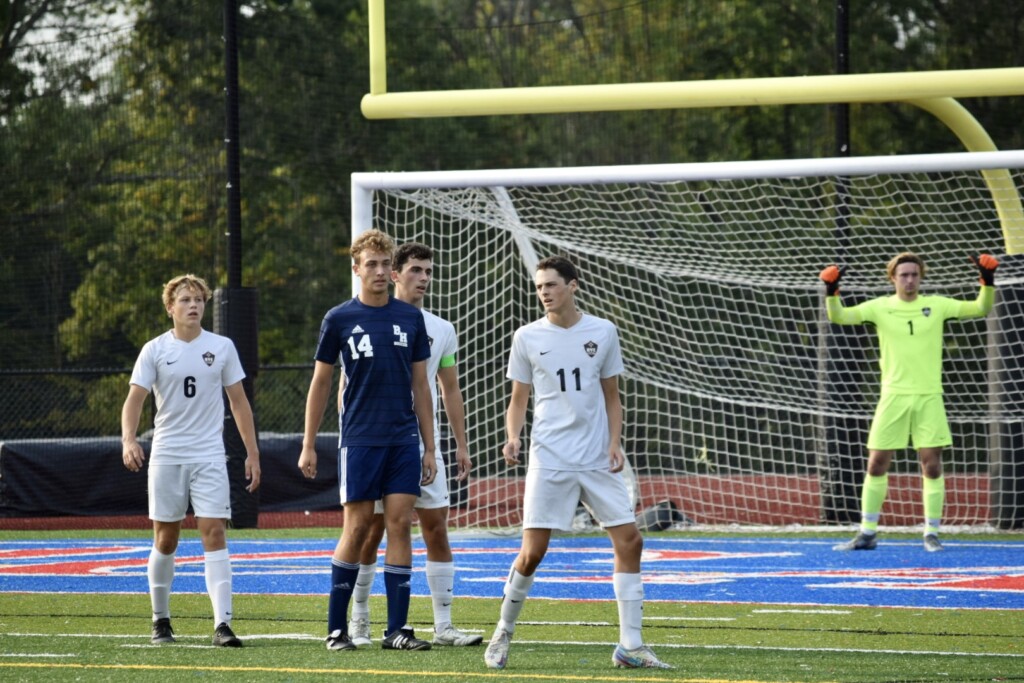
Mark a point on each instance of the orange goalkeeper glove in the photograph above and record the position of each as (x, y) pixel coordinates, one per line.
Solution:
(986, 264)
(831, 276)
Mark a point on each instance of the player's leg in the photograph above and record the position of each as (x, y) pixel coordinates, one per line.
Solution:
(359, 626)
(211, 501)
(890, 431)
(931, 435)
(606, 495)
(401, 486)
(933, 495)
(432, 510)
(549, 502)
(360, 473)
(168, 502)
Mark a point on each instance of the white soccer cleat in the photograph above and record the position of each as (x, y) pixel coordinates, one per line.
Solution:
(496, 655)
(931, 543)
(449, 635)
(640, 658)
(359, 631)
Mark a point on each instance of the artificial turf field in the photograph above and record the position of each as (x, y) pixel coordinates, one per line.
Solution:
(73, 606)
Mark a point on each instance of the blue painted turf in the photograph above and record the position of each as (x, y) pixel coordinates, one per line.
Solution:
(969, 574)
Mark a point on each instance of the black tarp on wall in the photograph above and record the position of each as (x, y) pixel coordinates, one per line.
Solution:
(56, 477)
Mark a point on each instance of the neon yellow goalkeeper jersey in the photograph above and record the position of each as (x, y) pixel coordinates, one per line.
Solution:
(910, 335)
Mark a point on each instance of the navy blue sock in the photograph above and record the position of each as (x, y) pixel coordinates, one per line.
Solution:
(396, 584)
(343, 582)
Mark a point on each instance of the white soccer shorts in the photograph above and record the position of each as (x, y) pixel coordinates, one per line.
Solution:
(552, 497)
(204, 483)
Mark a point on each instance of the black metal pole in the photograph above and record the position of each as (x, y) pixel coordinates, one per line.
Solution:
(235, 307)
(231, 142)
(842, 463)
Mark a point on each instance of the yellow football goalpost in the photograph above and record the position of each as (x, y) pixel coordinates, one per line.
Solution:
(933, 91)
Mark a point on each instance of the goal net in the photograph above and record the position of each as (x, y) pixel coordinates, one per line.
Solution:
(744, 405)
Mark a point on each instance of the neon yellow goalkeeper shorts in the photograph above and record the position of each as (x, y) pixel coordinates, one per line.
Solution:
(904, 419)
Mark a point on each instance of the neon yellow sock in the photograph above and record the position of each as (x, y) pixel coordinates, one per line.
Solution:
(934, 495)
(872, 497)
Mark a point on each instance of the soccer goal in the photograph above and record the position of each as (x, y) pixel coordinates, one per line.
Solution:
(744, 406)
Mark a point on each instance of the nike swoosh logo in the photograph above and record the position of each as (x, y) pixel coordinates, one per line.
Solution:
(171, 362)
(543, 353)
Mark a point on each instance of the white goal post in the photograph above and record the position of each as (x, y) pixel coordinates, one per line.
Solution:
(744, 406)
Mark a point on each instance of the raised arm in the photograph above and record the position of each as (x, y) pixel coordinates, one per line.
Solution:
(980, 307)
(837, 313)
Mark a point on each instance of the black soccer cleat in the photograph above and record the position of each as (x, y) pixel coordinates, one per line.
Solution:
(404, 639)
(339, 641)
(162, 631)
(223, 636)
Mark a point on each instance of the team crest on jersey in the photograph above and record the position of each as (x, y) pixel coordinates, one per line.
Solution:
(208, 358)
(401, 338)
(926, 312)
(430, 341)
(590, 348)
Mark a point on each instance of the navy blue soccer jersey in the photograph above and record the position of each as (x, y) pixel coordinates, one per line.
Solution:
(376, 347)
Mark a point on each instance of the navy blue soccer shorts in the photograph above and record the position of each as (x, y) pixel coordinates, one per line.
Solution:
(372, 472)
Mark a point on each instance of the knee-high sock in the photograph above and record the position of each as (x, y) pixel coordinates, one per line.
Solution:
(396, 583)
(217, 567)
(517, 587)
(872, 498)
(629, 597)
(933, 495)
(361, 594)
(441, 580)
(343, 580)
(160, 571)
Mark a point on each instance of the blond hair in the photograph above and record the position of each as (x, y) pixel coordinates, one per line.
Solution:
(903, 257)
(372, 240)
(176, 284)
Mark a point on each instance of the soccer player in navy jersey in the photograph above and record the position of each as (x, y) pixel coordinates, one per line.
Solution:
(188, 370)
(381, 344)
(412, 271)
(571, 362)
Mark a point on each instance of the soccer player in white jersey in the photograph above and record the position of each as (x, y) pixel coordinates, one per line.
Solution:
(572, 360)
(188, 369)
(411, 271)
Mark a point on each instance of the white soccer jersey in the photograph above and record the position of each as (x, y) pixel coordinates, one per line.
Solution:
(565, 367)
(187, 379)
(443, 342)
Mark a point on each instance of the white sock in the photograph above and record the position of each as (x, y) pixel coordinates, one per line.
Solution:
(218, 584)
(361, 593)
(517, 587)
(160, 570)
(441, 580)
(629, 597)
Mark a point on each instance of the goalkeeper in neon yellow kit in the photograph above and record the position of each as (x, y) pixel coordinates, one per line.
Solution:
(910, 408)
